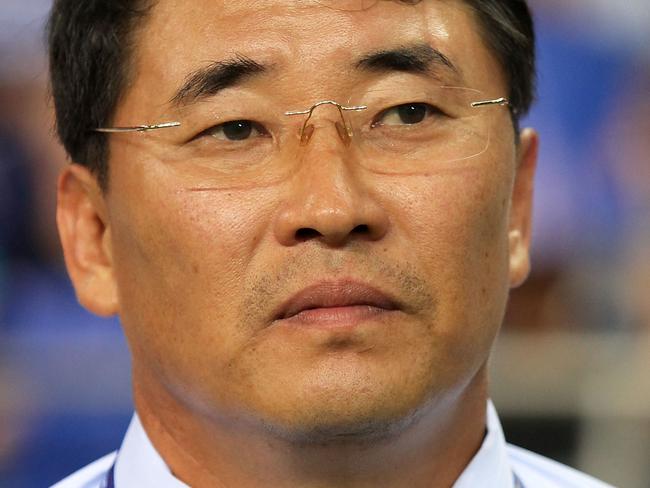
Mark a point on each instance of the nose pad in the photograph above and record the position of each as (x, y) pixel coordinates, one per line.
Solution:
(344, 132)
(343, 128)
(306, 133)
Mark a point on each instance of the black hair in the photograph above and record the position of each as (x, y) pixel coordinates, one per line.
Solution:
(90, 54)
(508, 30)
(91, 44)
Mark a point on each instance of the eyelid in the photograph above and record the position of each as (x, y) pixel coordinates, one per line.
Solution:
(431, 109)
(258, 127)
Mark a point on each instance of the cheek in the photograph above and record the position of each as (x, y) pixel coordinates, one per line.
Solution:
(456, 217)
(189, 235)
(181, 257)
(457, 227)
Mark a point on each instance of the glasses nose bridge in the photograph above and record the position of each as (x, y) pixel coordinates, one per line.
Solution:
(341, 123)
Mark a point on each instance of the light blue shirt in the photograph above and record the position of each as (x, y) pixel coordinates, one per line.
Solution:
(494, 466)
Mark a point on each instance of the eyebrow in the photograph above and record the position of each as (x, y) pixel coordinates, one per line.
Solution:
(417, 58)
(210, 80)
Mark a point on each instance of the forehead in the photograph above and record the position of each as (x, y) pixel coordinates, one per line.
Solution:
(307, 42)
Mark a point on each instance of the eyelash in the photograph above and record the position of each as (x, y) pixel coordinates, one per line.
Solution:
(430, 110)
(223, 127)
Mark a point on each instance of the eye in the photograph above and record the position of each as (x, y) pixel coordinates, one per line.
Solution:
(235, 130)
(406, 114)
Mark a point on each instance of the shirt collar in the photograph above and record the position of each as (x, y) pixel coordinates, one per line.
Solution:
(490, 465)
(139, 464)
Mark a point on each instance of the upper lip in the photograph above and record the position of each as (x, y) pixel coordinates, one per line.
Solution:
(328, 294)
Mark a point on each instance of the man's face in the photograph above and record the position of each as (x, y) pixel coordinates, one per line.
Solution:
(206, 278)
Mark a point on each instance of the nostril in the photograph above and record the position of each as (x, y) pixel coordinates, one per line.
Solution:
(361, 229)
(307, 233)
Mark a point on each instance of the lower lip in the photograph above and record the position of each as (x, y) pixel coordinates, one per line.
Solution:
(335, 317)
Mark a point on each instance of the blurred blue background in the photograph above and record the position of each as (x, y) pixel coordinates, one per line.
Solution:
(578, 332)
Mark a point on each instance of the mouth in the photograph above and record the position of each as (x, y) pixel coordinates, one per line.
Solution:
(336, 303)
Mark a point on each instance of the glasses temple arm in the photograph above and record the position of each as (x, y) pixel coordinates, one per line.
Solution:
(137, 128)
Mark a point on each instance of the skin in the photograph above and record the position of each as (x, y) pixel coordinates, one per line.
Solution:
(228, 399)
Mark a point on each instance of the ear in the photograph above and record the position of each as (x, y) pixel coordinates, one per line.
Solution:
(519, 233)
(83, 225)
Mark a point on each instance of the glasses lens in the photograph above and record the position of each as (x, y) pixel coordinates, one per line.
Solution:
(234, 143)
(401, 130)
(421, 130)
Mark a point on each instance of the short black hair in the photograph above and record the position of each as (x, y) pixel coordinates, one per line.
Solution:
(507, 28)
(90, 56)
(91, 44)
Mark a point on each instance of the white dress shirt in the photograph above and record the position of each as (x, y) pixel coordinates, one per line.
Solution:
(495, 465)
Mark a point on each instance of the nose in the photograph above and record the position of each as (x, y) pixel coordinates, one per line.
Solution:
(329, 198)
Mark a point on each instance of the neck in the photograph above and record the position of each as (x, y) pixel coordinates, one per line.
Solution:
(430, 451)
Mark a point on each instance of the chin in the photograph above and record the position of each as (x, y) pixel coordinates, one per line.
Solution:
(350, 432)
(346, 422)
